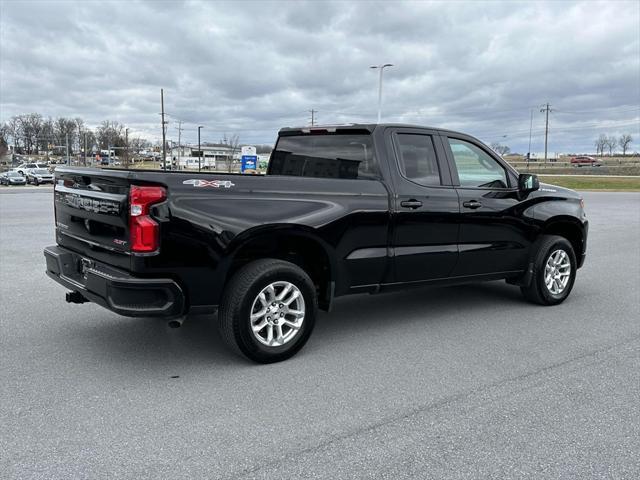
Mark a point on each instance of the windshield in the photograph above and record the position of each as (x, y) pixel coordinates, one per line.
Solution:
(330, 156)
(41, 171)
(13, 174)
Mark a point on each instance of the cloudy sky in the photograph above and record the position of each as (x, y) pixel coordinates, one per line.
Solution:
(252, 67)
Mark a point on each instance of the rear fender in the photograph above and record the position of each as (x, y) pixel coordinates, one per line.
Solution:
(279, 241)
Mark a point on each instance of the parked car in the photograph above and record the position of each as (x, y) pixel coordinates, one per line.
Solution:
(22, 168)
(37, 176)
(341, 210)
(585, 161)
(12, 178)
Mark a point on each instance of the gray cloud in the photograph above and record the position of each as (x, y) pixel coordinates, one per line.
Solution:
(252, 67)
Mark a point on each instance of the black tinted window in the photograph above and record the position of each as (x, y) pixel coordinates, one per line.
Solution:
(329, 156)
(418, 159)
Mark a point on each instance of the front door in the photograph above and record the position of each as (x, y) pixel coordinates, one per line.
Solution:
(425, 229)
(494, 237)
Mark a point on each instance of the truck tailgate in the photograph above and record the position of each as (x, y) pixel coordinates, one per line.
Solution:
(91, 212)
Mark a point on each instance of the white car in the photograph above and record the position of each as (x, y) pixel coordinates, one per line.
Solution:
(24, 167)
(39, 175)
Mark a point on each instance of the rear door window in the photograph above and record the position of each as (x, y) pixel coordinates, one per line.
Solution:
(417, 159)
(339, 155)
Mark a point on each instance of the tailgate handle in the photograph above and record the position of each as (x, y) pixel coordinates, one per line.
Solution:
(413, 203)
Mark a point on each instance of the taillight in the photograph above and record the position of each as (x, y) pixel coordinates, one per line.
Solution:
(144, 231)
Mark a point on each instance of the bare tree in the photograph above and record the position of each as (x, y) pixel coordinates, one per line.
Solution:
(624, 142)
(110, 134)
(89, 139)
(13, 132)
(600, 143)
(47, 135)
(500, 149)
(137, 144)
(30, 127)
(65, 133)
(4, 135)
(611, 143)
(232, 144)
(79, 127)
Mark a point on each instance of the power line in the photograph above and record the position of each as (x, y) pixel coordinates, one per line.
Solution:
(588, 126)
(622, 108)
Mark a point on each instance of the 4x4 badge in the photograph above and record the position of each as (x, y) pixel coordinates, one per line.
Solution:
(209, 183)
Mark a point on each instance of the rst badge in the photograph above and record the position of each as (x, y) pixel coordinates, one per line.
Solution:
(209, 183)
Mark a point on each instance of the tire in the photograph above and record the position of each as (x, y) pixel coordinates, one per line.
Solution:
(538, 291)
(241, 298)
(36, 182)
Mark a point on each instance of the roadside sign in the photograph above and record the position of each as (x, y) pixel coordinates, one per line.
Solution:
(249, 164)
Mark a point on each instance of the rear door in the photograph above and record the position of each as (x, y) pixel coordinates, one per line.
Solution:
(494, 236)
(425, 229)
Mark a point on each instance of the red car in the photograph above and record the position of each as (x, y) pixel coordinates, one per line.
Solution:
(585, 161)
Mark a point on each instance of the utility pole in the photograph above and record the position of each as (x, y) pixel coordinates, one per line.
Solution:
(164, 143)
(68, 159)
(85, 149)
(126, 147)
(313, 116)
(529, 151)
(179, 128)
(546, 108)
(199, 151)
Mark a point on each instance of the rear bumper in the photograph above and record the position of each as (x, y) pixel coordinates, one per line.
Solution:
(114, 289)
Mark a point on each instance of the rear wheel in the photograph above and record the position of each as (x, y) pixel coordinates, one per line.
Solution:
(268, 310)
(554, 271)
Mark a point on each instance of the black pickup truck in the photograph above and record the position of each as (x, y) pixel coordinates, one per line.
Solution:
(342, 209)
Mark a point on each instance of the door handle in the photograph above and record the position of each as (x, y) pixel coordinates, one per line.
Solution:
(413, 203)
(472, 204)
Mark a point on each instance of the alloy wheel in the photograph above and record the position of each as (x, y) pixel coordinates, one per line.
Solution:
(557, 272)
(277, 314)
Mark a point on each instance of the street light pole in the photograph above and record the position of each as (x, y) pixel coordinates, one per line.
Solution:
(199, 150)
(530, 129)
(380, 69)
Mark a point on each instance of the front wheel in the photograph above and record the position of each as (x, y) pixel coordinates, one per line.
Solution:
(268, 310)
(554, 271)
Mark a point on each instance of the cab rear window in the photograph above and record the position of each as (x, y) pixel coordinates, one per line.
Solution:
(347, 156)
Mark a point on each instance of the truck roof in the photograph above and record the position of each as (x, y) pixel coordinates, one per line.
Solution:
(370, 127)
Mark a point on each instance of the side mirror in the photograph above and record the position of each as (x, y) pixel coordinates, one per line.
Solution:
(528, 183)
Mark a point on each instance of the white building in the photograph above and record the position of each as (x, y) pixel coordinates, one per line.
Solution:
(190, 157)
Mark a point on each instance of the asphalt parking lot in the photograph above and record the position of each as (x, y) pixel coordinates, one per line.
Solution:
(465, 382)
